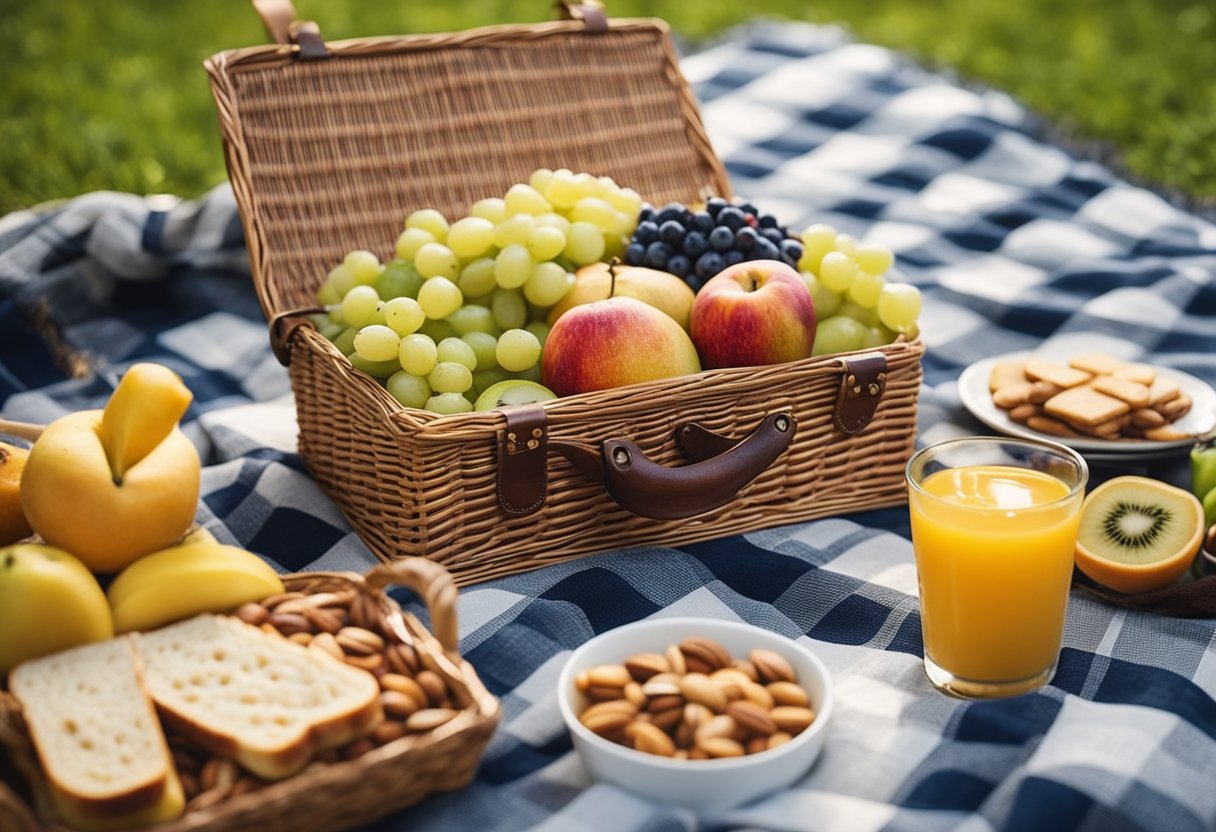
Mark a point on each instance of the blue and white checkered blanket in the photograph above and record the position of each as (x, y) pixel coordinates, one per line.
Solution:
(1013, 242)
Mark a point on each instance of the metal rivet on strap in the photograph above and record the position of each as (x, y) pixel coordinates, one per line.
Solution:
(782, 423)
(620, 456)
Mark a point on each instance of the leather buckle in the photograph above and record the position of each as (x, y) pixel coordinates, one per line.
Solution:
(861, 387)
(523, 453)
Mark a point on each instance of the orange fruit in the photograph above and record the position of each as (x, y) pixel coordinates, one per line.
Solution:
(13, 525)
(1138, 534)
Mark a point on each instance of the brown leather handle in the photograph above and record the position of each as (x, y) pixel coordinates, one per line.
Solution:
(433, 584)
(649, 489)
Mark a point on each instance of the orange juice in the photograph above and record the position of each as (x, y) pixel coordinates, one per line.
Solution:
(994, 554)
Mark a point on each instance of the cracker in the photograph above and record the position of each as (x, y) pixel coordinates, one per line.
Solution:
(1013, 395)
(1085, 406)
(1146, 418)
(1041, 391)
(1046, 424)
(1131, 392)
(1167, 433)
(1109, 430)
(1023, 412)
(1163, 390)
(1038, 369)
(1096, 363)
(1175, 408)
(1005, 373)
(1139, 373)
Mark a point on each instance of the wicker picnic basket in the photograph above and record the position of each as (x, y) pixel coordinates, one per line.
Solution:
(347, 787)
(331, 144)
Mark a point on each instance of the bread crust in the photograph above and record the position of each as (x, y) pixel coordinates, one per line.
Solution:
(99, 811)
(274, 763)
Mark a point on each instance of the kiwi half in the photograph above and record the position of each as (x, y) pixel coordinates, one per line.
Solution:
(512, 392)
(1138, 534)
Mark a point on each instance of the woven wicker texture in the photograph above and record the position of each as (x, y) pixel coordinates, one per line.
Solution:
(412, 487)
(341, 795)
(330, 155)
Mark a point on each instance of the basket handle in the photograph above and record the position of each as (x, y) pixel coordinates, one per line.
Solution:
(430, 582)
(22, 430)
(637, 483)
(279, 18)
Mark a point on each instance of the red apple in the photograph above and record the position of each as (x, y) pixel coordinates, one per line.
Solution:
(613, 342)
(753, 313)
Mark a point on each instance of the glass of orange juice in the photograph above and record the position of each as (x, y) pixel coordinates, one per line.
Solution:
(994, 529)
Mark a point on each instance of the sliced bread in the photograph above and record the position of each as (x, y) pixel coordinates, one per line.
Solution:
(266, 702)
(97, 737)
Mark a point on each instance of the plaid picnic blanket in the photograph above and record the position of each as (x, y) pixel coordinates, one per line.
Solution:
(1013, 242)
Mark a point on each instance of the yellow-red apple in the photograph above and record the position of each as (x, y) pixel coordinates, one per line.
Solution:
(753, 313)
(599, 281)
(614, 342)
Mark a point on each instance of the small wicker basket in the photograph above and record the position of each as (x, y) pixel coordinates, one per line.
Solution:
(348, 787)
(330, 145)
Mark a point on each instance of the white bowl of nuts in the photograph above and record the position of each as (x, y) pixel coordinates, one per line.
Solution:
(696, 712)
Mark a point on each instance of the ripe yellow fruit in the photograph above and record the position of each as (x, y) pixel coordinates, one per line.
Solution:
(13, 525)
(112, 485)
(663, 291)
(177, 583)
(49, 601)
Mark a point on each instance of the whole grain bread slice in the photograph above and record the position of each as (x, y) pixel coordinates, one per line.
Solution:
(266, 702)
(97, 737)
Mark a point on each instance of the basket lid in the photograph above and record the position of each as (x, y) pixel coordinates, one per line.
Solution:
(330, 149)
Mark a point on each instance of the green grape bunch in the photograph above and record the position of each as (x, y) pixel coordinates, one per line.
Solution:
(462, 305)
(857, 305)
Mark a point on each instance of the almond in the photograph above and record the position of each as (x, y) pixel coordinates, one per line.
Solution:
(752, 718)
(722, 747)
(697, 687)
(358, 641)
(609, 676)
(650, 739)
(787, 693)
(675, 660)
(429, 719)
(718, 726)
(772, 667)
(645, 665)
(792, 720)
(707, 650)
(759, 694)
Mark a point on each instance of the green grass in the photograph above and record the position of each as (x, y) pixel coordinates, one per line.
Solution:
(111, 95)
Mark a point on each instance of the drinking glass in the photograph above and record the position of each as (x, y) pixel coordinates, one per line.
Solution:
(994, 530)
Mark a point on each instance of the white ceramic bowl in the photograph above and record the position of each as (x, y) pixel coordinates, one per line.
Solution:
(702, 785)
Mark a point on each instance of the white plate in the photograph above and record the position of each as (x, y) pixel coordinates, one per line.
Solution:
(973, 390)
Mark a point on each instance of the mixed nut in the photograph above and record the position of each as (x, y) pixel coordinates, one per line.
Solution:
(695, 701)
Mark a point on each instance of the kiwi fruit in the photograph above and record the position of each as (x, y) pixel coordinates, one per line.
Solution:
(513, 392)
(1138, 534)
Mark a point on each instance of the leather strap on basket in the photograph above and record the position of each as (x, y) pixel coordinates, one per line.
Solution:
(591, 12)
(279, 18)
(283, 325)
(861, 387)
(523, 455)
(724, 466)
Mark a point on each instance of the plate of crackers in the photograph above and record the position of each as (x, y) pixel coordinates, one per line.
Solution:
(1089, 401)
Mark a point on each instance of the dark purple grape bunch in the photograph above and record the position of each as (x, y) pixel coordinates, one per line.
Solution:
(696, 245)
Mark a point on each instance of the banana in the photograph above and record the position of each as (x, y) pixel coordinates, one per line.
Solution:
(177, 583)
